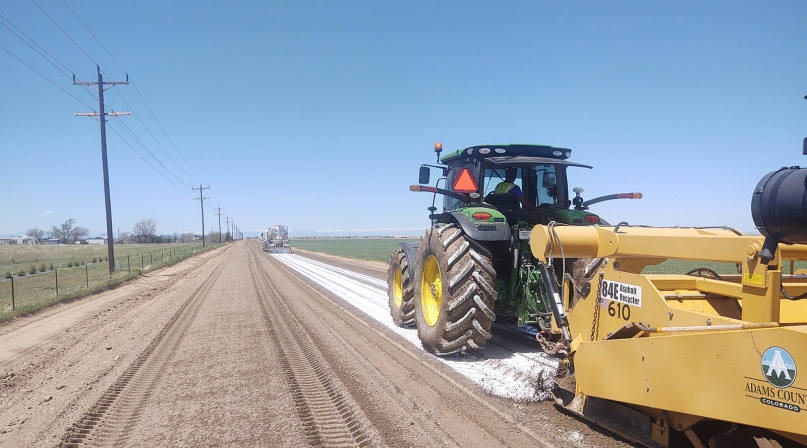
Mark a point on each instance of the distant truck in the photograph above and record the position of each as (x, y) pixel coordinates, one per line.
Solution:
(276, 240)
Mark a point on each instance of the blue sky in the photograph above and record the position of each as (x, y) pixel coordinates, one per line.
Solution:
(317, 115)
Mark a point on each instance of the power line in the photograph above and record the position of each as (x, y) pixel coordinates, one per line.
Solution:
(65, 32)
(90, 107)
(142, 145)
(145, 160)
(141, 97)
(166, 133)
(155, 138)
(65, 71)
(92, 34)
(124, 126)
(45, 77)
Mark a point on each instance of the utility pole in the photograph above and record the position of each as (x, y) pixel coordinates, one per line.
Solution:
(227, 220)
(219, 209)
(102, 118)
(202, 199)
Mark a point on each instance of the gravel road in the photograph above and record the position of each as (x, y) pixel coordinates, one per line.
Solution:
(234, 347)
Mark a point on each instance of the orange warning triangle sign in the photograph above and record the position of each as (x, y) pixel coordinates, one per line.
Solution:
(465, 182)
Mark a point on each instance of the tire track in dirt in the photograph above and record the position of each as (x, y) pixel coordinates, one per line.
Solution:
(110, 420)
(330, 418)
(464, 413)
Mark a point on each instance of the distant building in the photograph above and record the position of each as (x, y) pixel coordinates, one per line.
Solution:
(97, 240)
(53, 241)
(18, 240)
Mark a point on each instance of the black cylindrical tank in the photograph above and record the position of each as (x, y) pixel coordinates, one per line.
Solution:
(779, 205)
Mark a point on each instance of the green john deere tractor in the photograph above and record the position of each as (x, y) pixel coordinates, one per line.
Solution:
(474, 266)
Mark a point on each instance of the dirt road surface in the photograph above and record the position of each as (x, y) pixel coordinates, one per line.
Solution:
(233, 348)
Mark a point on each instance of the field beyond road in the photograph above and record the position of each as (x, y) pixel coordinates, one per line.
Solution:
(370, 249)
(35, 277)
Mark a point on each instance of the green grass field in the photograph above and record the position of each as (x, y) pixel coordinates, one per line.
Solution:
(372, 249)
(44, 275)
(16, 257)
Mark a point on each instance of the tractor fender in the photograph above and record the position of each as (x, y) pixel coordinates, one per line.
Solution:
(410, 250)
(479, 231)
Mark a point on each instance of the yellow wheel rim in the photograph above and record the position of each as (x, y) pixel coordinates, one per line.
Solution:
(431, 291)
(397, 288)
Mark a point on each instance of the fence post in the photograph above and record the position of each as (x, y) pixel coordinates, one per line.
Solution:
(87, 274)
(12, 293)
(141, 262)
(56, 271)
(129, 263)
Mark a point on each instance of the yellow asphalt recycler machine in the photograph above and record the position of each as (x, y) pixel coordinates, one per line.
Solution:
(711, 358)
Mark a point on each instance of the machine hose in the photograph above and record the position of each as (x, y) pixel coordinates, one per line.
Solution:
(789, 297)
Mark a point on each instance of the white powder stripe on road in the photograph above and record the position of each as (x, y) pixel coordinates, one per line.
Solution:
(501, 371)
(371, 301)
(335, 275)
(376, 287)
(364, 278)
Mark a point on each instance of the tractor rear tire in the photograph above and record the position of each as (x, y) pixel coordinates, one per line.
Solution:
(454, 293)
(399, 290)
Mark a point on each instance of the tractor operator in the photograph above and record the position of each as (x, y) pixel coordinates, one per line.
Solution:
(509, 187)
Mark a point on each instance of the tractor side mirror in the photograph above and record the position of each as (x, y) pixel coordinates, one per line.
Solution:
(549, 180)
(423, 177)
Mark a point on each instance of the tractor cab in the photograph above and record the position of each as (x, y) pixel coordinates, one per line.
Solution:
(474, 264)
(536, 191)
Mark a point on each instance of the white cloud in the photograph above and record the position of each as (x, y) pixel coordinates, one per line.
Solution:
(46, 213)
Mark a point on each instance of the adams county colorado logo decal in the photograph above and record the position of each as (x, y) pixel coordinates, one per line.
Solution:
(779, 371)
(778, 367)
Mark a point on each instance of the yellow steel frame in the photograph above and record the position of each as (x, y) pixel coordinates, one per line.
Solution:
(681, 348)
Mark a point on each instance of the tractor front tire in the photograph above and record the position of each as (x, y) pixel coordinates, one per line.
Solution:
(399, 290)
(454, 293)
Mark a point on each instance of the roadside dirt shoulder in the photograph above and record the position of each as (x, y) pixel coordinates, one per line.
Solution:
(56, 363)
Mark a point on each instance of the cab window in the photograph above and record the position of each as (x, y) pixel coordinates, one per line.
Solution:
(539, 183)
(546, 179)
(495, 176)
